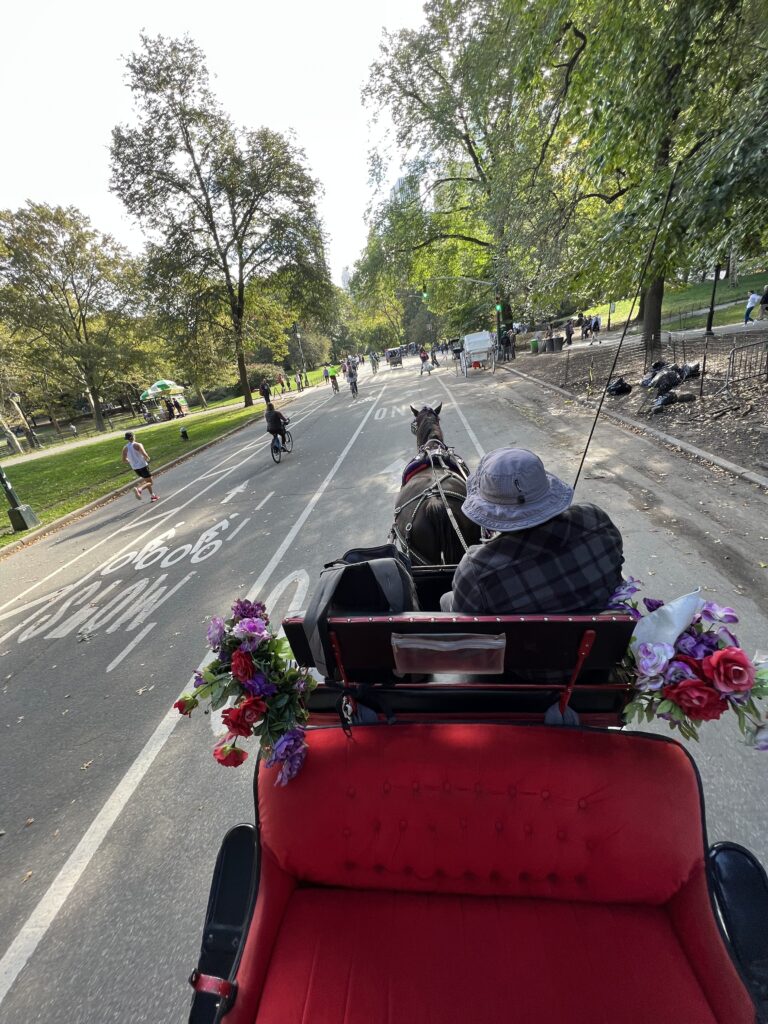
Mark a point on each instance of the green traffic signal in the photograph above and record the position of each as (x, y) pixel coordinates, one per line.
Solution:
(498, 307)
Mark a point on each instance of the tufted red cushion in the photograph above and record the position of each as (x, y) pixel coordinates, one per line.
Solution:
(407, 958)
(557, 813)
(480, 874)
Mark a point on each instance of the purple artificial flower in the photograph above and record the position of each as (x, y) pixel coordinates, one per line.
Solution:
(290, 768)
(245, 609)
(761, 737)
(624, 591)
(725, 637)
(259, 686)
(215, 632)
(289, 752)
(696, 645)
(646, 683)
(676, 671)
(652, 659)
(198, 679)
(652, 603)
(251, 633)
(712, 612)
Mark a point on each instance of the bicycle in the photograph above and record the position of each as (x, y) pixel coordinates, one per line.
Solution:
(277, 448)
(353, 388)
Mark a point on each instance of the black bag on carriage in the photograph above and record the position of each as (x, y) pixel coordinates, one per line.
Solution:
(365, 581)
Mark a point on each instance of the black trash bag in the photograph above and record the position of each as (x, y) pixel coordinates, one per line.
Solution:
(690, 371)
(687, 397)
(663, 401)
(666, 380)
(655, 370)
(619, 387)
(660, 364)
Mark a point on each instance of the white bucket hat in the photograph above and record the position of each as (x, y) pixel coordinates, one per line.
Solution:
(510, 490)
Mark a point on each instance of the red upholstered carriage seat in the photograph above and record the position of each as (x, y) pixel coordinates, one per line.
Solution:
(464, 874)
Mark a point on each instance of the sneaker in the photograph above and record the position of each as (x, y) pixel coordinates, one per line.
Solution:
(154, 498)
(137, 492)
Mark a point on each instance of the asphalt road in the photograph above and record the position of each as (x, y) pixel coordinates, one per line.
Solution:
(112, 808)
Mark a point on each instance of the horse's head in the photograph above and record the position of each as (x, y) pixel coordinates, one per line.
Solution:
(426, 424)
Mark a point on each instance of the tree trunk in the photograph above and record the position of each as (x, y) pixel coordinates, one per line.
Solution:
(241, 369)
(201, 396)
(95, 403)
(641, 308)
(52, 418)
(654, 295)
(13, 442)
(732, 272)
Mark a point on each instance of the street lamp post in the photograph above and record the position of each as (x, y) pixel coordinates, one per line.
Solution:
(301, 350)
(21, 516)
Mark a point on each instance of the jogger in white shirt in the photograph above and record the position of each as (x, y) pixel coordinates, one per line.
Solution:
(135, 455)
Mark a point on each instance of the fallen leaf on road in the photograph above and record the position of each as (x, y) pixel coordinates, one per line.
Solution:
(763, 565)
(28, 822)
(26, 877)
(86, 766)
(145, 689)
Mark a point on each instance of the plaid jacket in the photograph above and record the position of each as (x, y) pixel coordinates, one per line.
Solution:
(569, 565)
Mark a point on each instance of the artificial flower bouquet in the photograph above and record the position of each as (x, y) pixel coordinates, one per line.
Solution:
(687, 667)
(251, 672)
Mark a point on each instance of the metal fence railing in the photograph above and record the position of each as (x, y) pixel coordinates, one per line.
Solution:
(747, 362)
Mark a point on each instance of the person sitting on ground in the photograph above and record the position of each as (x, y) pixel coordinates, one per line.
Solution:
(275, 422)
(548, 556)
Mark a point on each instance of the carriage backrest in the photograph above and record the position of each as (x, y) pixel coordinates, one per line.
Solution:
(505, 810)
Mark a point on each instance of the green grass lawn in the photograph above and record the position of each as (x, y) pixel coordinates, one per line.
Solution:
(694, 296)
(69, 478)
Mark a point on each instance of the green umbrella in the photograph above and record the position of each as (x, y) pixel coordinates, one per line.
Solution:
(167, 387)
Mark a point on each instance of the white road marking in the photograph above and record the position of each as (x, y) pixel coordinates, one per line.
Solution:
(39, 921)
(264, 501)
(129, 647)
(238, 528)
(114, 533)
(472, 435)
(235, 490)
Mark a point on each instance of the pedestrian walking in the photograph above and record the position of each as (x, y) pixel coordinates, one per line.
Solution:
(306, 380)
(297, 378)
(265, 392)
(752, 301)
(763, 304)
(169, 407)
(569, 332)
(596, 330)
(73, 428)
(326, 374)
(135, 455)
(177, 407)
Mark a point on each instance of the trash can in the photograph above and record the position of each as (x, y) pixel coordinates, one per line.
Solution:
(558, 344)
(549, 345)
(534, 347)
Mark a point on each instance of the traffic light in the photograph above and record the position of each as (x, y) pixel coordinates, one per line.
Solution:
(424, 293)
(498, 307)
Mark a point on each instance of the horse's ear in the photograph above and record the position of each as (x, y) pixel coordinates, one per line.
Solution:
(438, 408)
(414, 410)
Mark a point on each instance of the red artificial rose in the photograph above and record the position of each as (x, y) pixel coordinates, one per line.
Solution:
(242, 666)
(240, 720)
(228, 754)
(696, 699)
(186, 704)
(729, 670)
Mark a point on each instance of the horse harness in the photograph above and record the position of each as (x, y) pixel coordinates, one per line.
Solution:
(437, 454)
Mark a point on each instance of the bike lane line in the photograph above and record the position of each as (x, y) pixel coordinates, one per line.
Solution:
(39, 921)
(156, 520)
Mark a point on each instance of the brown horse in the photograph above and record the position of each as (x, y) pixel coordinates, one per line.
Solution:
(429, 524)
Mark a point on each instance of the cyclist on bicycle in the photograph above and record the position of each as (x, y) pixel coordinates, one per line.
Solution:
(276, 422)
(352, 378)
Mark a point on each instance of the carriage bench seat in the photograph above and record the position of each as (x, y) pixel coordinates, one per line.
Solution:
(479, 874)
(445, 662)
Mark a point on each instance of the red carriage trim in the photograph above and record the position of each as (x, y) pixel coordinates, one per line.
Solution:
(212, 986)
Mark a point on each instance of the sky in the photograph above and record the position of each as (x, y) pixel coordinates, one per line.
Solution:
(288, 64)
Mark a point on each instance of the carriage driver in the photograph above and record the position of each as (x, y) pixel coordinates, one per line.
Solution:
(275, 422)
(548, 556)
